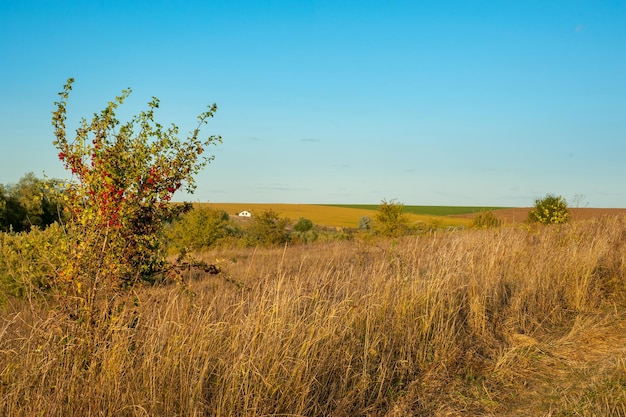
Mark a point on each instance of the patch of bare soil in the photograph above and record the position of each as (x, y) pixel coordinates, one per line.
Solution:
(519, 215)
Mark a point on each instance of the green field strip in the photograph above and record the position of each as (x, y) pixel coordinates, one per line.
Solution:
(426, 210)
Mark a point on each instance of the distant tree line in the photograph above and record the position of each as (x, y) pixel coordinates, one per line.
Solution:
(205, 227)
(34, 202)
(31, 202)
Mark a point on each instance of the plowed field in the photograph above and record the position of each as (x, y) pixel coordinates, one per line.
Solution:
(517, 215)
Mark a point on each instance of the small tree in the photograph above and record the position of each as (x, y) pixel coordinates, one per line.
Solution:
(579, 201)
(549, 210)
(266, 228)
(390, 219)
(123, 177)
(13, 216)
(30, 202)
(199, 228)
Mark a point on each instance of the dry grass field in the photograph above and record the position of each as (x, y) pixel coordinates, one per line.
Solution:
(514, 321)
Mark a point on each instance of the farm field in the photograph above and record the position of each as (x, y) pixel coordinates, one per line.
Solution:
(443, 216)
(348, 216)
(520, 214)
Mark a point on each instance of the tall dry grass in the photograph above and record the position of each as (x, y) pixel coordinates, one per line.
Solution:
(446, 324)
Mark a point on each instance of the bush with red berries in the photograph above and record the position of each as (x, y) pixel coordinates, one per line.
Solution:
(119, 195)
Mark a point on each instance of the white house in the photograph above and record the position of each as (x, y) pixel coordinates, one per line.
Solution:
(244, 213)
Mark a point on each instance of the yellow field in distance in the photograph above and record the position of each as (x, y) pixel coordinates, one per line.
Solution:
(330, 216)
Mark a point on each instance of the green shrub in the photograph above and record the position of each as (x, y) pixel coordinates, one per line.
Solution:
(266, 228)
(303, 231)
(30, 202)
(336, 235)
(549, 210)
(303, 225)
(309, 236)
(201, 227)
(29, 261)
(486, 220)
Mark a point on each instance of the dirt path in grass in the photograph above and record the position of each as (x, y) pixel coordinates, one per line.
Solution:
(582, 373)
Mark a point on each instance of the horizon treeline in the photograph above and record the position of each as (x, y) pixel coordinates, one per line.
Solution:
(31, 202)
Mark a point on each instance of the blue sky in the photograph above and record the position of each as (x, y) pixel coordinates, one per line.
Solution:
(427, 102)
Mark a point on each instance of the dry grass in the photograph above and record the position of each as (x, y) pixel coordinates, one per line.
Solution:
(499, 322)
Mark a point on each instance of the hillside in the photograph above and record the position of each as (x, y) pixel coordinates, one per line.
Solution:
(442, 216)
(335, 216)
(518, 215)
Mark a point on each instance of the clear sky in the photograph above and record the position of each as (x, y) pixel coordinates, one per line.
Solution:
(427, 102)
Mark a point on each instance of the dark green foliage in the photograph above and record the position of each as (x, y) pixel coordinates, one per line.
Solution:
(30, 202)
(266, 228)
(551, 209)
(486, 220)
(201, 227)
(303, 225)
(390, 219)
(304, 231)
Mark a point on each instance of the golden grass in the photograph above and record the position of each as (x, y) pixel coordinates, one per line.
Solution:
(509, 322)
(331, 216)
